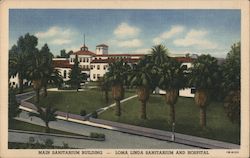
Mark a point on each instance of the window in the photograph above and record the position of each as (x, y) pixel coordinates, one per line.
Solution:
(84, 60)
(184, 67)
(93, 76)
(98, 67)
(14, 83)
(91, 67)
(80, 59)
(104, 67)
(64, 74)
(87, 60)
(193, 90)
(98, 76)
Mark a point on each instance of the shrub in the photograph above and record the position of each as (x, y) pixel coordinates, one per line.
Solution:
(49, 142)
(31, 140)
(97, 135)
(65, 145)
(83, 112)
(94, 114)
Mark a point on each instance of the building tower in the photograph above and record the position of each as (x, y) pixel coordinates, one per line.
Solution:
(84, 47)
(101, 49)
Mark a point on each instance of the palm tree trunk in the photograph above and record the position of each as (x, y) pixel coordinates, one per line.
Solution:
(203, 117)
(20, 80)
(172, 113)
(37, 95)
(45, 92)
(118, 108)
(143, 110)
(47, 130)
(107, 96)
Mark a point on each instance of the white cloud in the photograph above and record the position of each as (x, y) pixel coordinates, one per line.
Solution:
(125, 30)
(168, 34)
(142, 51)
(60, 41)
(196, 38)
(57, 35)
(130, 43)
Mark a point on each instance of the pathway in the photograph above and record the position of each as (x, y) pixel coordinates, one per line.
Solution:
(114, 139)
(101, 110)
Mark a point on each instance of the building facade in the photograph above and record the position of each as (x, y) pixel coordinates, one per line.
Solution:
(95, 65)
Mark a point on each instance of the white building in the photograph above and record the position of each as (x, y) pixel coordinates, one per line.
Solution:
(96, 64)
(13, 82)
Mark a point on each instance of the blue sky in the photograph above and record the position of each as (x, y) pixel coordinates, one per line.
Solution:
(129, 31)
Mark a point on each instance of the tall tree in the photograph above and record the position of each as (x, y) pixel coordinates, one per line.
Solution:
(116, 77)
(172, 79)
(19, 55)
(105, 87)
(231, 83)
(141, 78)
(75, 75)
(51, 75)
(158, 56)
(36, 72)
(63, 53)
(203, 76)
(47, 114)
(13, 105)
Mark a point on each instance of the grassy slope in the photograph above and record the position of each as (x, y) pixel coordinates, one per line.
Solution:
(90, 100)
(187, 118)
(19, 125)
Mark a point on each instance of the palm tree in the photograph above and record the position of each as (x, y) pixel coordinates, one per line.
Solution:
(231, 83)
(105, 87)
(36, 72)
(116, 77)
(172, 79)
(159, 54)
(204, 77)
(47, 114)
(141, 78)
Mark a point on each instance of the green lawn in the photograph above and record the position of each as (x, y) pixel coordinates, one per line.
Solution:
(187, 118)
(20, 125)
(89, 100)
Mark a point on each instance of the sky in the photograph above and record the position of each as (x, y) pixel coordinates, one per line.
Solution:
(129, 31)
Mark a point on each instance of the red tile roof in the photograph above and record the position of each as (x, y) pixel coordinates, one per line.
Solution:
(113, 60)
(112, 55)
(84, 52)
(184, 59)
(61, 64)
